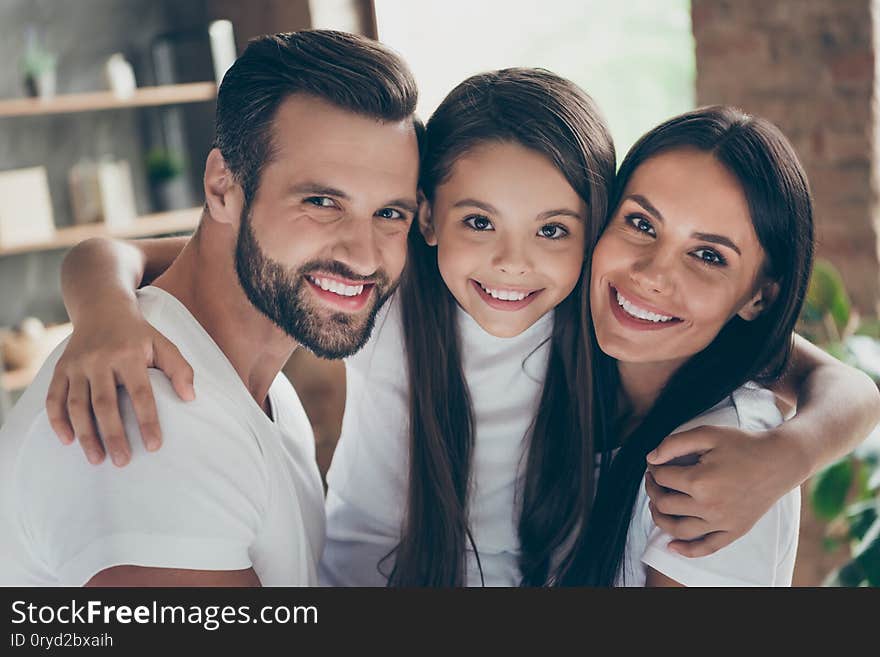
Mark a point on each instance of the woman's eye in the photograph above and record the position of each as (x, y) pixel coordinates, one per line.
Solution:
(390, 213)
(709, 257)
(478, 222)
(321, 201)
(641, 224)
(553, 231)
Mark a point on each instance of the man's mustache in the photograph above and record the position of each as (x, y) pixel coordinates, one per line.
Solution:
(336, 268)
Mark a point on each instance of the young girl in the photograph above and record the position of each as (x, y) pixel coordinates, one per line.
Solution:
(466, 454)
(697, 282)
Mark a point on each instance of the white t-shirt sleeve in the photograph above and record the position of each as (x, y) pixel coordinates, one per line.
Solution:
(367, 480)
(196, 503)
(762, 557)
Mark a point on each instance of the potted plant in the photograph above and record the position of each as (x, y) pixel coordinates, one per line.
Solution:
(846, 494)
(165, 170)
(38, 67)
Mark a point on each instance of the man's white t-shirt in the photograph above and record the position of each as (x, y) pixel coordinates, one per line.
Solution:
(229, 489)
(368, 477)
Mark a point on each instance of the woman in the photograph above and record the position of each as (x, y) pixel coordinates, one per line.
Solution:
(697, 282)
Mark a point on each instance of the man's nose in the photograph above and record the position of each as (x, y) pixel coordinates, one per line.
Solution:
(357, 246)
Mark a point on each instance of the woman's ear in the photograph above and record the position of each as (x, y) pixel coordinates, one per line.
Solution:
(761, 301)
(223, 196)
(426, 221)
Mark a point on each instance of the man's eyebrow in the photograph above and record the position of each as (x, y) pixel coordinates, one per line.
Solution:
(407, 204)
(316, 188)
(645, 203)
(474, 203)
(319, 189)
(717, 239)
(565, 212)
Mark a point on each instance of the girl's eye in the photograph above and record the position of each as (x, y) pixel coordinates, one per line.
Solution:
(321, 201)
(390, 213)
(641, 224)
(478, 222)
(553, 231)
(710, 257)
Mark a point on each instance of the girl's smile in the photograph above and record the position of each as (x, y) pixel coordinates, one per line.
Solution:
(509, 231)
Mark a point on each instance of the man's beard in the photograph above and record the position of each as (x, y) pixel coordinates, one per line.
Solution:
(282, 296)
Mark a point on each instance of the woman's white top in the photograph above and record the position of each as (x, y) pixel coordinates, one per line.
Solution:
(368, 478)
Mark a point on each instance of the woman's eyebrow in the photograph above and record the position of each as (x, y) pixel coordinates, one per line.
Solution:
(717, 239)
(646, 204)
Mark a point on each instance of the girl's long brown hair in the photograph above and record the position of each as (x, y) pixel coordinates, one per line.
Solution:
(552, 116)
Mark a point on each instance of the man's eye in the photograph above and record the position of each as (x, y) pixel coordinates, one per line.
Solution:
(553, 231)
(321, 201)
(478, 222)
(390, 213)
(641, 224)
(709, 257)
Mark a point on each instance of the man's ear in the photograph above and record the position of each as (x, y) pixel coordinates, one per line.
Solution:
(426, 221)
(223, 196)
(760, 302)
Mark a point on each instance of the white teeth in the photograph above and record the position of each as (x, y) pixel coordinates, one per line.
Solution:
(639, 313)
(336, 287)
(504, 295)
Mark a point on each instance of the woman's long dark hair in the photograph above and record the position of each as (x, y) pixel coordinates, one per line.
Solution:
(778, 196)
(552, 116)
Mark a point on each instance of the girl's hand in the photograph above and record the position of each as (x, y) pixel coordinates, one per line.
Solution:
(711, 503)
(95, 361)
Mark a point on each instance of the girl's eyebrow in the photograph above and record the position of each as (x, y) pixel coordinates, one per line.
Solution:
(706, 237)
(566, 212)
(491, 209)
(474, 203)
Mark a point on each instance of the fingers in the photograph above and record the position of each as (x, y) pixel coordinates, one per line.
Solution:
(56, 408)
(79, 409)
(169, 359)
(685, 528)
(694, 441)
(105, 406)
(702, 547)
(679, 478)
(669, 502)
(137, 383)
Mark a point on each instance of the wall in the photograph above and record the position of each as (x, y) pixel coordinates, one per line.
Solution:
(808, 66)
(83, 34)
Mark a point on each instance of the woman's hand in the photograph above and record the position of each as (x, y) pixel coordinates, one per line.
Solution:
(96, 360)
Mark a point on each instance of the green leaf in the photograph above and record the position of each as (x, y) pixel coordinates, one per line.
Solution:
(850, 574)
(830, 544)
(867, 554)
(829, 489)
(869, 327)
(861, 518)
(827, 295)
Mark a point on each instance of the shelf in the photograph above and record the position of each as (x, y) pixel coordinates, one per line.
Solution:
(21, 378)
(174, 94)
(177, 221)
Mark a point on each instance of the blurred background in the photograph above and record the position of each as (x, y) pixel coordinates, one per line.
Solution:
(106, 115)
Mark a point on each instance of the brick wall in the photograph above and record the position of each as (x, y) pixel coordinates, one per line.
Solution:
(808, 66)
